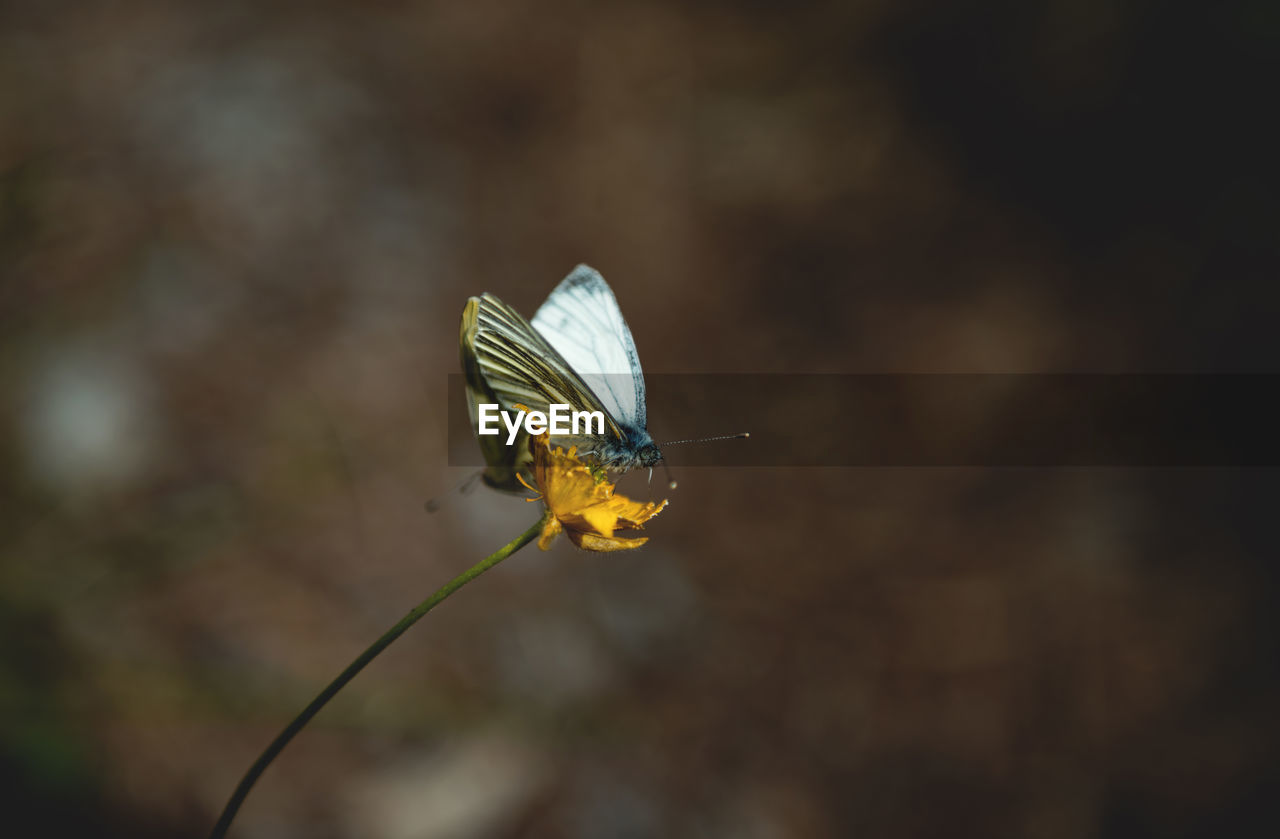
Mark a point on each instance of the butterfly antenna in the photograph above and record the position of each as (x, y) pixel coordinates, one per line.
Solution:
(740, 436)
(671, 484)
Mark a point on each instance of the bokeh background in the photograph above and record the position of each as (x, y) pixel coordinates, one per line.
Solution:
(235, 242)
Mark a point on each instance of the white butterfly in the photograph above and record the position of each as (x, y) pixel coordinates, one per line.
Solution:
(576, 351)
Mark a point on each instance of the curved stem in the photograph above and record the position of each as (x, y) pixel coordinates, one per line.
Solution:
(282, 740)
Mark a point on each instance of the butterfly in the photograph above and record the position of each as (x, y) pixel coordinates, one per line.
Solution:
(576, 351)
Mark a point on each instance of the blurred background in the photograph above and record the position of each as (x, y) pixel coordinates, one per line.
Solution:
(235, 243)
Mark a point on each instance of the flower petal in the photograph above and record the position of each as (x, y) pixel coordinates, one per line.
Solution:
(582, 504)
(601, 544)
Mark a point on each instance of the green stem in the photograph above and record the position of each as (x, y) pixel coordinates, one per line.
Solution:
(282, 740)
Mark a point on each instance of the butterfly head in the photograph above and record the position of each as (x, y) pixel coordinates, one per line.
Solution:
(649, 455)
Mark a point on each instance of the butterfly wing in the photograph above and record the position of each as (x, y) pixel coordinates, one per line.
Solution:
(502, 462)
(582, 321)
(506, 361)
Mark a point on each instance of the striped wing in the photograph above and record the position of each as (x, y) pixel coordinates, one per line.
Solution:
(506, 361)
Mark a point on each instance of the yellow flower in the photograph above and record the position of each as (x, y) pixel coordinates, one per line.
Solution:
(582, 505)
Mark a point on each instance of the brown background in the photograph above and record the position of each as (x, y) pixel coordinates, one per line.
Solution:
(235, 241)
